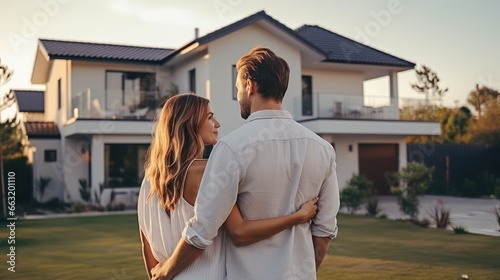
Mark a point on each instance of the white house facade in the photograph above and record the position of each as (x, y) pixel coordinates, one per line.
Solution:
(104, 98)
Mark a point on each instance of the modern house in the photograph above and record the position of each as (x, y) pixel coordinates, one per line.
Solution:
(102, 99)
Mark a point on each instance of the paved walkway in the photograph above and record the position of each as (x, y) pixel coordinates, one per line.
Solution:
(474, 214)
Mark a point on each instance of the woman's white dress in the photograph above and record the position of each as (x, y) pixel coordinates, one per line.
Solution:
(164, 232)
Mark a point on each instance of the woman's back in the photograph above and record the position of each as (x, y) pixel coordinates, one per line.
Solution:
(164, 232)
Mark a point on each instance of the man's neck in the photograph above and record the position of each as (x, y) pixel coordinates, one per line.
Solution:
(259, 104)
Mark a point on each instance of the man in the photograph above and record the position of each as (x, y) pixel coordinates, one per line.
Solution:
(270, 166)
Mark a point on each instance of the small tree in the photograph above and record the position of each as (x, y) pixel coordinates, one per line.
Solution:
(480, 97)
(428, 84)
(413, 180)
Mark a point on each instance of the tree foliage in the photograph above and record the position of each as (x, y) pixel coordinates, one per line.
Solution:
(428, 84)
(480, 97)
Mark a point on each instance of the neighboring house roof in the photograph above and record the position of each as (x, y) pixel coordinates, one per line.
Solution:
(95, 51)
(344, 50)
(42, 130)
(30, 100)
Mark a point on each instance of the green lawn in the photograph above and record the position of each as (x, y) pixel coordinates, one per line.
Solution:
(109, 248)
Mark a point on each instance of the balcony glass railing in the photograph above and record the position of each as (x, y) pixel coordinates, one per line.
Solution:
(114, 105)
(335, 106)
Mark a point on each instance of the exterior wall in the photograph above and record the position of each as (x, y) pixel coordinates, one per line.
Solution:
(181, 75)
(51, 170)
(225, 52)
(76, 166)
(32, 117)
(336, 82)
(61, 69)
(348, 162)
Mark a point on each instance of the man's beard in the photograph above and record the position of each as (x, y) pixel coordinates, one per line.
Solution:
(245, 108)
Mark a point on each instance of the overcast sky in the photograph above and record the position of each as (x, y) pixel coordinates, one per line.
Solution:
(458, 39)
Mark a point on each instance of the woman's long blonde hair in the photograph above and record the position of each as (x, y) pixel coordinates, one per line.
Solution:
(175, 144)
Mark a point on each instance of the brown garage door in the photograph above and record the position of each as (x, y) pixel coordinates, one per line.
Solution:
(376, 161)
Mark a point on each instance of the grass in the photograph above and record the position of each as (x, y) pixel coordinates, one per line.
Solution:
(108, 247)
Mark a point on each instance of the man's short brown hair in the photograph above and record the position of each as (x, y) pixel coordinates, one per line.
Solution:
(269, 72)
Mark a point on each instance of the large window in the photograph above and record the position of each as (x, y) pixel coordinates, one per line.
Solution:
(124, 164)
(307, 108)
(131, 89)
(192, 80)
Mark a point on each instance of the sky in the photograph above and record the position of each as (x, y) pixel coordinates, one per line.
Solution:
(457, 39)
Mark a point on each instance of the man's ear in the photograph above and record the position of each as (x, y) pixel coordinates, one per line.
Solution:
(251, 87)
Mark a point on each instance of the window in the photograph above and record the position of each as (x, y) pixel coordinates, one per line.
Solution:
(50, 155)
(131, 89)
(233, 80)
(59, 94)
(307, 109)
(124, 164)
(192, 80)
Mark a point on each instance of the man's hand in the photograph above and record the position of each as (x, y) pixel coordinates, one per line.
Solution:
(160, 271)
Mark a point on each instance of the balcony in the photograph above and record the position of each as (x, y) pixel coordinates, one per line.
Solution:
(348, 114)
(140, 105)
(334, 106)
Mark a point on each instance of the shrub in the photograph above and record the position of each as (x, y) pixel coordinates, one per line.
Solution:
(383, 216)
(459, 230)
(468, 188)
(496, 211)
(352, 198)
(372, 207)
(362, 183)
(412, 180)
(422, 223)
(84, 190)
(439, 215)
(497, 191)
(43, 185)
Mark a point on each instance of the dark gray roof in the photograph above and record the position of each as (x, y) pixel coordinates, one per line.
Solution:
(344, 50)
(46, 130)
(94, 51)
(30, 100)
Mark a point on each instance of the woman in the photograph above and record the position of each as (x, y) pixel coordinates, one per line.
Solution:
(173, 173)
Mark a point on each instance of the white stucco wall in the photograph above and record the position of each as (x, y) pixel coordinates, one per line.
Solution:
(181, 74)
(51, 170)
(348, 162)
(76, 166)
(225, 52)
(335, 82)
(61, 69)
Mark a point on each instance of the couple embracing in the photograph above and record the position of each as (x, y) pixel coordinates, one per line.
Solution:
(263, 206)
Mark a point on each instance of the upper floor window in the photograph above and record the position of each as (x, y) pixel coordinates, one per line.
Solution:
(131, 89)
(234, 74)
(192, 80)
(59, 93)
(307, 107)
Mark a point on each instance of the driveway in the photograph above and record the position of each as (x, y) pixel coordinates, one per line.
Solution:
(474, 214)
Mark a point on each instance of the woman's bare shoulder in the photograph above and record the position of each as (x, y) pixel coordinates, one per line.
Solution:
(197, 168)
(193, 179)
